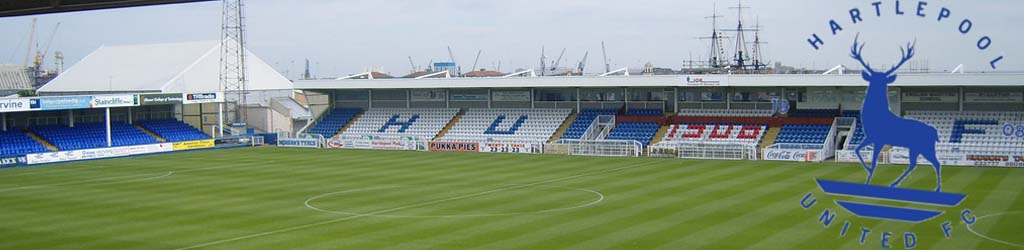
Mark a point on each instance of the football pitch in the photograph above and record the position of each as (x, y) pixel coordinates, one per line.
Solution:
(278, 198)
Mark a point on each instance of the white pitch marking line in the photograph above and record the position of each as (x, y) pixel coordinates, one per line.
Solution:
(600, 198)
(969, 228)
(93, 180)
(407, 206)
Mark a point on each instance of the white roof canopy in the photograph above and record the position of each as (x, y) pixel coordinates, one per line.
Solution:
(766, 80)
(186, 67)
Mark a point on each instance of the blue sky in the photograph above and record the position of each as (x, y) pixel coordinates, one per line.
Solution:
(344, 37)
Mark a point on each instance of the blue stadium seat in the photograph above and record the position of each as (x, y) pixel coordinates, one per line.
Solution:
(173, 130)
(92, 135)
(813, 113)
(16, 142)
(333, 121)
(808, 134)
(645, 112)
(638, 131)
(583, 121)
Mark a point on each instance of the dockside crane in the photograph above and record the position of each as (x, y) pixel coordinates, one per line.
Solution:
(583, 63)
(476, 60)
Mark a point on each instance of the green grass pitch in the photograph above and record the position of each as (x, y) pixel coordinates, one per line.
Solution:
(277, 198)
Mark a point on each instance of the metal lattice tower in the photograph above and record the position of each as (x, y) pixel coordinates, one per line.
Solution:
(232, 59)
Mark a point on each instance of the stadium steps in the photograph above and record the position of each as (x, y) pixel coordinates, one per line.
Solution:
(349, 124)
(660, 134)
(49, 146)
(561, 129)
(444, 131)
(769, 137)
(150, 133)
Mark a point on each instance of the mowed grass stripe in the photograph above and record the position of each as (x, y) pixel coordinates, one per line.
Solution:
(620, 191)
(1000, 197)
(695, 217)
(471, 226)
(927, 238)
(800, 224)
(394, 175)
(569, 232)
(361, 231)
(770, 213)
(221, 194)
(301, 226)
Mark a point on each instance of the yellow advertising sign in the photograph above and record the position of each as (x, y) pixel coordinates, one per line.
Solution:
(188, 145)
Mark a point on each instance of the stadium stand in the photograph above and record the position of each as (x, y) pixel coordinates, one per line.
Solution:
(813, 113)
(333, 121)
(583, 121)
(423, 123)
(803, 133)
(172, 130)
(523, 125)
(974, 132)
(645, 112)
(16, 142)
(736, 133)
(726, 112)
(638, 131)
(92, 135)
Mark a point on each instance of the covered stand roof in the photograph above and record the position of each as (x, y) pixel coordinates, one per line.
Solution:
(14, 77)
(186, 67)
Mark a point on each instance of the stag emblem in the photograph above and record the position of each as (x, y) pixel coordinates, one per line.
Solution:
(882, 127)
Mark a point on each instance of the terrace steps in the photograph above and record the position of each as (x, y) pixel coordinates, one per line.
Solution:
(660, 134)
(36, 137)
(769, 137)
(150, 133)
(444, 131)
(349, 124)
(565, 126)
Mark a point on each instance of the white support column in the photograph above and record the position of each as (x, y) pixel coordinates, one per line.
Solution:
(961, 98)
(625, 99)
(3, 120)
(220, 119)
(578, 98)
(408, 98)
(130, 120)
(728, 98)
(675, 99)
(533, 98)
(71, 118)
(110, 141)
(369, 98)
(490, 99)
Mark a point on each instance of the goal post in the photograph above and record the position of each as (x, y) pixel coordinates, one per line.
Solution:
(704, 150)
(626, 148)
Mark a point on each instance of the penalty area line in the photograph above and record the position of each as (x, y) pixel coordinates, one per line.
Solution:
(304, 226)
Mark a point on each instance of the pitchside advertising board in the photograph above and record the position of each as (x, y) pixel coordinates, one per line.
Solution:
(13, 161)
(298, 143)
(401, 144)
(516, 148)
(802, 155)
(160, 99)
(96, 153)
(112, 101)
(211, 97)
(934, 210)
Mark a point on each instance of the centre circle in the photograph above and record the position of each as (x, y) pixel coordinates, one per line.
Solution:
(1014, 217)
(453, 201)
